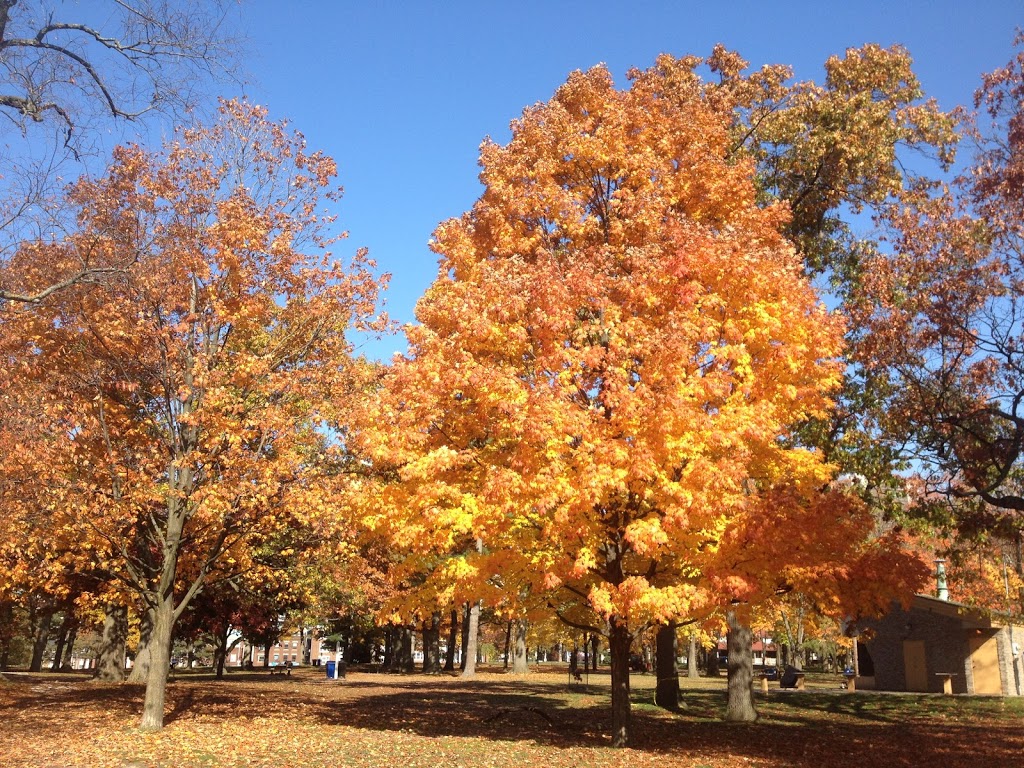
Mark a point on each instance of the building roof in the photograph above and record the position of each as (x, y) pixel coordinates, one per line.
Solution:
(971, 617)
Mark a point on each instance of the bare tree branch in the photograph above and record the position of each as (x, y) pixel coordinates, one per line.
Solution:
(67, 74)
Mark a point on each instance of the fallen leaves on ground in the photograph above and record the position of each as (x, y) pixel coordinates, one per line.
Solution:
(494, 721)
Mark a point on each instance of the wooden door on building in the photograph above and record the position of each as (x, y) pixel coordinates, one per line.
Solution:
(914, 665)
(985, 665)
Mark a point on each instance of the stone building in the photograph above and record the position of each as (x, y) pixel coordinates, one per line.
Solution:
(936, 645)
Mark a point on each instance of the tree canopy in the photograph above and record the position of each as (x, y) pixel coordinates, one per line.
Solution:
(189, 397)
(608, 369)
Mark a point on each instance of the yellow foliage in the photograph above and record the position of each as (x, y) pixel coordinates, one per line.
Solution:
(607, 370)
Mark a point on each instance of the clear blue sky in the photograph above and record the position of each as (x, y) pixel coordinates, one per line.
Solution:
(402, 93)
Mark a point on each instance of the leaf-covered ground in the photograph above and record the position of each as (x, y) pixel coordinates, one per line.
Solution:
(495, 720)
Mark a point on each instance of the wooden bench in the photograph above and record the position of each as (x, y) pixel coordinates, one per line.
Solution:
(285, 670)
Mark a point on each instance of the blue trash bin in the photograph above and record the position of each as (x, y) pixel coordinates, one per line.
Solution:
(330, 670)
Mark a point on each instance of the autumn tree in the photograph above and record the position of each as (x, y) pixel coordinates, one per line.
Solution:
(982, 555)
(616, 348)
(41, 569)
(941, 322)
(250, 603)
(833, 152)
(72, 73)
(191, 397)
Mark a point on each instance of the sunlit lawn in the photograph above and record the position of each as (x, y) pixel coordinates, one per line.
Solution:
(253, 719)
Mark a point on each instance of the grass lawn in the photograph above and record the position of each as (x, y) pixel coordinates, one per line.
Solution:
(253, 719)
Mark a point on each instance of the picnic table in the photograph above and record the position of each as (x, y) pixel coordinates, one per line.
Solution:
(947, 682)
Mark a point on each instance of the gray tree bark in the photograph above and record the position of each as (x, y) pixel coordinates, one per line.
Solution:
(740, 708)
(691, 659)
(405, 661)
(453, 638)
(471, 636)
(6, 632)
(111, 655)
(40, 637)
(520, 664)
(67, 625)
(619, 643)
(432, 645)
(389, 648)
(714, 669)
(666, 690)
(159, 663)
(140, 668)
(69, 648)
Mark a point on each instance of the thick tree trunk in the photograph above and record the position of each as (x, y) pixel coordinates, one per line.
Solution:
(269, 645)
(464, 637)
(432, 645)
(69, 648)
(140, 669)
(666, 691)
(712, 657)
(220, 650)
(111, 655)
(469, 649)
(520, 660)
(740, 708)
(795, 637)
(453, 638)
(159, 665)
(67, 622)
(388, 663)
(40, 637)
(405, 661)
(619, 643)
(691, 659)
(6, 633)
(508, 643)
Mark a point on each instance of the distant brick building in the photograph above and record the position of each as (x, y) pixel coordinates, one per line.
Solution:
(293, 649)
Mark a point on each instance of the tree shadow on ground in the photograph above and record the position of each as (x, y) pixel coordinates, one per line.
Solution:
(469, 709)
(803, 731)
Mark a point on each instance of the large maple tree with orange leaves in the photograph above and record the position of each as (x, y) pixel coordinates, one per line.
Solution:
(608, 367)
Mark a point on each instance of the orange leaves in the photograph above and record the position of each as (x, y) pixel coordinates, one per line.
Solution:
(197, 384)
(619, 339)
